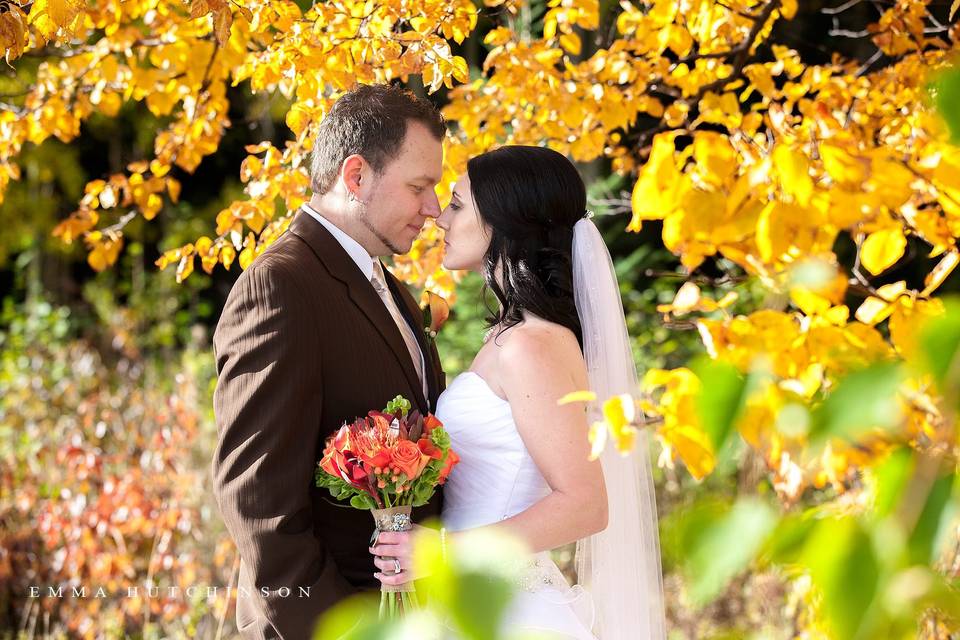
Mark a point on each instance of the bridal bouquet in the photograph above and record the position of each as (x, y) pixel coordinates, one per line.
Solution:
(389, 462)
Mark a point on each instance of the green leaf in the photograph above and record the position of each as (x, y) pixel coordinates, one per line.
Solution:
(935, 515)
(726, 546)
(722, 397)
(892, 476)
(354, 619)
(862, 401)
(362, 501)
(845, 569)
(480, 602)
(940, 346)
(946, 92)
(398, 404)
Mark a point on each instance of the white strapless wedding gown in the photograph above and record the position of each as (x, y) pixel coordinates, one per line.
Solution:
(496, 479)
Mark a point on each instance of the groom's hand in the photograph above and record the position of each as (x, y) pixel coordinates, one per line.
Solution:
(395, 549)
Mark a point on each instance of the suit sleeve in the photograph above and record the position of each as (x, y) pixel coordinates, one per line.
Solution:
(267, 405)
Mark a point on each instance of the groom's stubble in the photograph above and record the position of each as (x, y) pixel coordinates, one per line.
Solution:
(364, 217)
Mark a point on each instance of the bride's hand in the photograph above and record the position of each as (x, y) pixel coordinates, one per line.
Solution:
(397, 545)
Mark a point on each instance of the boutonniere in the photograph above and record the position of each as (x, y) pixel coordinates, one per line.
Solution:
(435, 314)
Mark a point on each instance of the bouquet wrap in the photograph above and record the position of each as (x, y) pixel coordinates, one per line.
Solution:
(394, 519)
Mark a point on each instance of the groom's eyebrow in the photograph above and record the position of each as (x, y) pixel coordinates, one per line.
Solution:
(426, 178)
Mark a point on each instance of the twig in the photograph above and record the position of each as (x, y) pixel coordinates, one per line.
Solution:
(831, 11)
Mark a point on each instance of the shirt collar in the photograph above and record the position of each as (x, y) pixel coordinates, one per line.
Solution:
(353, 248)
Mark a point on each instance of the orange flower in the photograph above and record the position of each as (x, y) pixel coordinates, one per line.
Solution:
(430, 423)
(407, 459)
(427, 448)
(451, 460)
(439, 312)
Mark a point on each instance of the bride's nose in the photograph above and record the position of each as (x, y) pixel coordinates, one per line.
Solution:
(443, 220)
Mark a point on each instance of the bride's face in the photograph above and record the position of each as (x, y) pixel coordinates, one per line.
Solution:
(466, 237)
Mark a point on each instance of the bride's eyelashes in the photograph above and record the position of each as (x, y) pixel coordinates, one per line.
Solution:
(455, 206)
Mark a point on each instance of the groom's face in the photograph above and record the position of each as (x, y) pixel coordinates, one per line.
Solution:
(403, 196)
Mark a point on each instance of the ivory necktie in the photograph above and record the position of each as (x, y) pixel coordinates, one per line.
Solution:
(380, 284)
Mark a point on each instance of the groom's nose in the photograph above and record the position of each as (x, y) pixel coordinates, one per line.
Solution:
(431, 205)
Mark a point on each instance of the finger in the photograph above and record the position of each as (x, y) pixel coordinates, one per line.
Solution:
(393, 537)
(388, 550)
(385, 564)
(393, 579)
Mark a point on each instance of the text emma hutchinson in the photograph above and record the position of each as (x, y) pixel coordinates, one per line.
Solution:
(85, 591)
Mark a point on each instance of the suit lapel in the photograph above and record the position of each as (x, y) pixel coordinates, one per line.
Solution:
(412, 314)
(361, 292)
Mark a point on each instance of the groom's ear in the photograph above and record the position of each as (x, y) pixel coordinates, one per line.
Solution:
(352, 172)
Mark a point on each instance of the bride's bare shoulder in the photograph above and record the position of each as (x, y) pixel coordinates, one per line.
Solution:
(540, 347)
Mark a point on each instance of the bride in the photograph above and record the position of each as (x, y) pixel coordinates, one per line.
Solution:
(518, 217)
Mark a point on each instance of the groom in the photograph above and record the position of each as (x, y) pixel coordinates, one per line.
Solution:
(315, 333)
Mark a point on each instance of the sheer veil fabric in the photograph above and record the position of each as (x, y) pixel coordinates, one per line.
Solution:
(620, 566)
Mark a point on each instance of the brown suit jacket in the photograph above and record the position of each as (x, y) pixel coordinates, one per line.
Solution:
(303, 345)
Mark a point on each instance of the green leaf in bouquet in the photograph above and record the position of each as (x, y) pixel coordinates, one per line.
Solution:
(362, 501)
(440, 438)
(398, 405)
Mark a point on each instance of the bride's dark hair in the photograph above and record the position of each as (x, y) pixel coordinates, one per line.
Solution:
(529, 198)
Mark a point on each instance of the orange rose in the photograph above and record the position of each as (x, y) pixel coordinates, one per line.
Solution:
(407, 459)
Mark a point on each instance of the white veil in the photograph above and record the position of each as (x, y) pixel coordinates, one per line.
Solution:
(620, 566)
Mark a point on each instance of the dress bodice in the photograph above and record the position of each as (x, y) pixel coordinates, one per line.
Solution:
(496, 478)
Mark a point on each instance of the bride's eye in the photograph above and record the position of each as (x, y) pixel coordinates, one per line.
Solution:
(455, 206)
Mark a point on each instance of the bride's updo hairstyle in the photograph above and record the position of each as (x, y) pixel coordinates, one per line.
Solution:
(529, 198)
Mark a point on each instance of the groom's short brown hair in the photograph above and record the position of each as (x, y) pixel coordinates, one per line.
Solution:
(370, 120)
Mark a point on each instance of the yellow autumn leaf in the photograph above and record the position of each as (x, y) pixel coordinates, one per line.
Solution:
(873, 310)
(686, 300)
(571, 42)
(944, 268)
(598, 439)
(227, 255)
(882, 249)
(618, 415)
(653, 195)
(577, 396)
(793, 171)
(693, 448)
(49, 16)
(222, 20)
(841, 166)
(13, 32)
